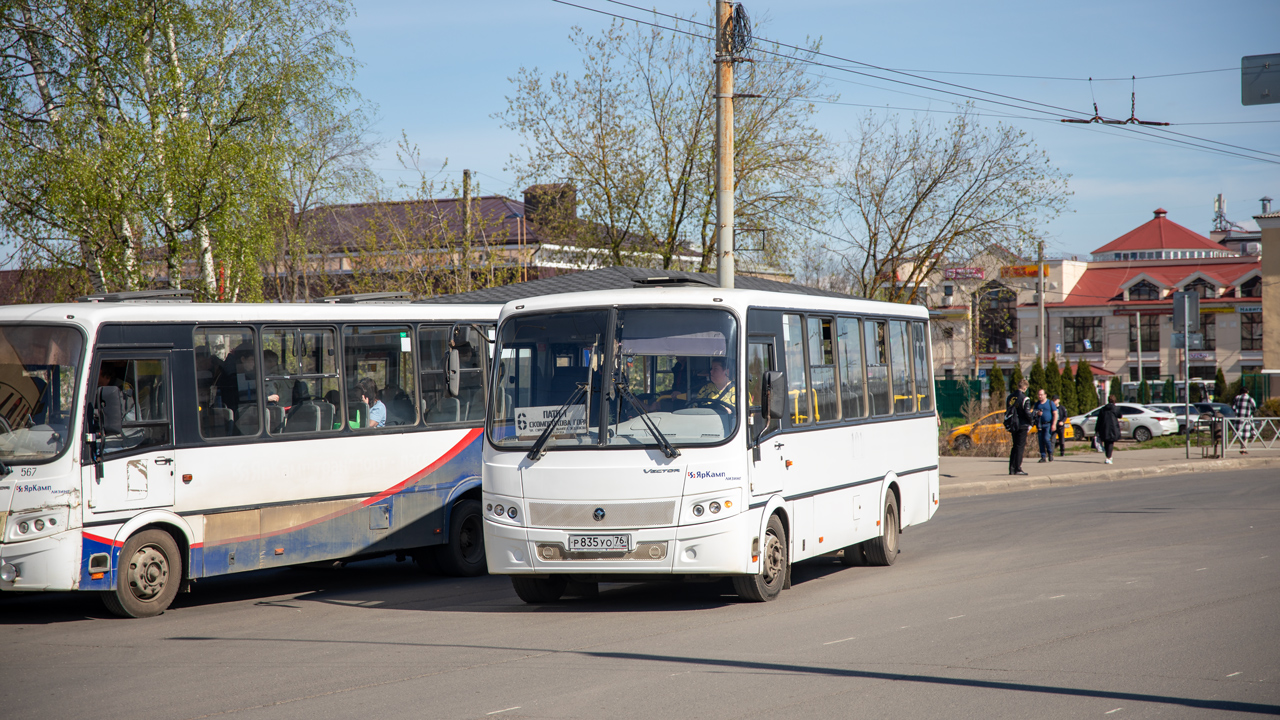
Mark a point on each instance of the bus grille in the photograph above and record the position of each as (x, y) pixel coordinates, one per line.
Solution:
(616, 514)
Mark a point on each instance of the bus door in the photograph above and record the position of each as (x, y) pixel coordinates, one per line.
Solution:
(133, 466)
(768, 467)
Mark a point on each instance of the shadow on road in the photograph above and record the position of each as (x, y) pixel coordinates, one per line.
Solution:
(386, 584)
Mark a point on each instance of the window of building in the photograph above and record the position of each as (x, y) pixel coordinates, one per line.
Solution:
(997, 319)
(1251, 331)
(1144, 290)
(1201, 287)
(1082, 334)
(1251, 287)
(1150, 333)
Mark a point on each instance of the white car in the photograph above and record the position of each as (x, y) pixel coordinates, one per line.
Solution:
(1136, 421)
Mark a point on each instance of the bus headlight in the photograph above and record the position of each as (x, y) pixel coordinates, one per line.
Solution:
(8, 572)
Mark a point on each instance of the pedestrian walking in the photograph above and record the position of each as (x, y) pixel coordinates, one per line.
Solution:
(1046, 417)
(1245, 407)
(1108, 427)
(1061, 430)
(1017, 420)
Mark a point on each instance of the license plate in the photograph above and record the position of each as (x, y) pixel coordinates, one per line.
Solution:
(598, 543)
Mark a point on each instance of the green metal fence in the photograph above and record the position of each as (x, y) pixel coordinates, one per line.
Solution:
(1259, 386)
(953, 394)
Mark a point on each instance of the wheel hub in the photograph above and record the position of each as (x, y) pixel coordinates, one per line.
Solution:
(148, 573)
(772, 559)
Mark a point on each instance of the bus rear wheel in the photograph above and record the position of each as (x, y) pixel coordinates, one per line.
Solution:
(536, 591)
(148, 577)
(767, 584)
(463, 555)
(884, 549)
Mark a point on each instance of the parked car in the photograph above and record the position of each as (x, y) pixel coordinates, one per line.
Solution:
(989, 429)
(1197, 409)
(1136, 421)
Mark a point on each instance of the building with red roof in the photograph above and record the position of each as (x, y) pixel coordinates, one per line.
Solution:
(1103, 310)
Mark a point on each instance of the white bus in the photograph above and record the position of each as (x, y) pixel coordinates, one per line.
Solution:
(690, 431)
(147, 443)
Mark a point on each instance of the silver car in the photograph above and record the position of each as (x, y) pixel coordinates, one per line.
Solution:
(1136, 421)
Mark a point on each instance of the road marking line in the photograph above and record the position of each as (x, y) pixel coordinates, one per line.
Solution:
(1055, 597)
(1235, 674)
(1111, 711)
(956, 617)
(495, 712)
(1199, 569)
(833, 642)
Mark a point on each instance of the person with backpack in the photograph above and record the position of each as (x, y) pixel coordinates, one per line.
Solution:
(1017, 420)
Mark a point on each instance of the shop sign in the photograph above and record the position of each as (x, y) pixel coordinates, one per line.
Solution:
(964, 274)
(1019, 271)
(1248, 308)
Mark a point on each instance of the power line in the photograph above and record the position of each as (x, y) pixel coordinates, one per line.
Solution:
(900, 82)
(1068, 79)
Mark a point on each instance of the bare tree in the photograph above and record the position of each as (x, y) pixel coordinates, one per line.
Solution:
(914, 199)
(634, 135)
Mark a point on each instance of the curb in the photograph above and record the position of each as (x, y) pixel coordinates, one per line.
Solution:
(986, 487)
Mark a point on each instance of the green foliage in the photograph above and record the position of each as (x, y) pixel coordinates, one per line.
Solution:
(1052, 378)
(1219, 385)
(996, 378)
(152, 151)
(1197, 395)
(1086, 391)
(1170, 392)
(1234, 388)
(1116, 389)
(1144, 393)
(1068, 386)
(1017, 378)
(1036, 379)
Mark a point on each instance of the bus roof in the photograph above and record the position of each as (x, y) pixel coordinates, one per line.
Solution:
(95, 313)
(740, 300)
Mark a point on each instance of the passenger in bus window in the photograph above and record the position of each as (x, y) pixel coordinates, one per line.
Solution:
(720, 386)
(377, 411)
(279, 391)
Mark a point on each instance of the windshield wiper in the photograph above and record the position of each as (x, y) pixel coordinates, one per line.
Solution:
(667, 448)
(536, 452)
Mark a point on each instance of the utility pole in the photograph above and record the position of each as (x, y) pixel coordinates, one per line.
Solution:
(1044, 329)
(466, 204)
(1137, 319)
(724, 144)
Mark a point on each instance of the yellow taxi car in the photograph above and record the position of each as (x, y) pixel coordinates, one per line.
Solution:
(988, 430)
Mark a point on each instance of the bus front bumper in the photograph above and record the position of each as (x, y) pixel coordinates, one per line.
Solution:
(47, 563)
(721, 547)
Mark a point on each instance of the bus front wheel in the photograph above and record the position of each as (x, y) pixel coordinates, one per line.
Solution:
(148, 577)
(536, 591)
(463, 555)
(766, 584)
(884, 549)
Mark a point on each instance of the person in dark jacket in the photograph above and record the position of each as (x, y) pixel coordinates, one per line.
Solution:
(1060, 431)
(1108, 427)
(1021, 405)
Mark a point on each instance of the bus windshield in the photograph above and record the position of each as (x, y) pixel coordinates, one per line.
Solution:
(674, 368)
(39, 371)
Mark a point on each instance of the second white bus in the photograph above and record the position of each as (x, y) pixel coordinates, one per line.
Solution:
(662, 432)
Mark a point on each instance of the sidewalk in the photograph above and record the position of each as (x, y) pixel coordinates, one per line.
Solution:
(962, 476)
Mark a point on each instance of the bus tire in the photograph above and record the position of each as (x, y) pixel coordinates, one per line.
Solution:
(536, 591)
(854, 556)
(148, 577)
(884, 549)
(774, 559)
(463, 555)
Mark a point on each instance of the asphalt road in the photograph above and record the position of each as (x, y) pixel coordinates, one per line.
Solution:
(1148, 598)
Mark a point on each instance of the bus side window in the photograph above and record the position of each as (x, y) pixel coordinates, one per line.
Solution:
(876, 346)
(227, 382)
(303, 386)
(904, 392)
(144, 395)
(924, 374)
(797, 382)
(759, 361)
(852, 370)
(822, 370)
(383, 354)
(433, 349)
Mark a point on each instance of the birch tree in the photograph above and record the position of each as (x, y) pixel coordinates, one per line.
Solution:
(144, 142)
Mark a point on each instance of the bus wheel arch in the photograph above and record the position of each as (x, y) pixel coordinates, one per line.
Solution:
(149, 573)
(462, 554)
(883, 549)
(775, 563)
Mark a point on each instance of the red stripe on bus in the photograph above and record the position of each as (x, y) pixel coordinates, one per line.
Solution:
(100, 539)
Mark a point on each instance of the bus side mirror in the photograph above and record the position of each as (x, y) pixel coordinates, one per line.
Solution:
(452, 374)
(110, 410)
(773, 396)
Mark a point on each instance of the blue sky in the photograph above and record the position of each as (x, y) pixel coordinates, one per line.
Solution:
(439, 70)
